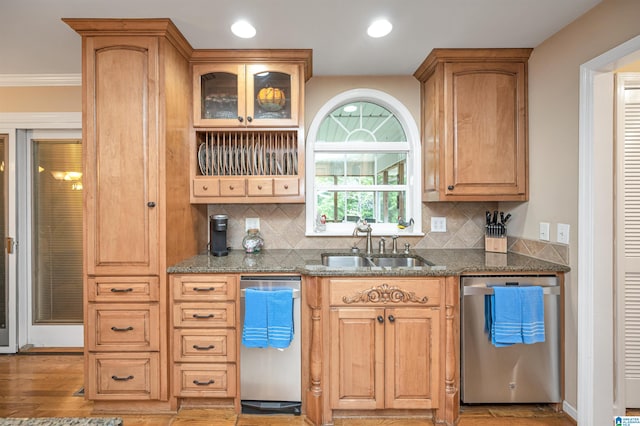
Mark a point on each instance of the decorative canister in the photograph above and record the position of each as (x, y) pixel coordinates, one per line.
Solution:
(253, 241)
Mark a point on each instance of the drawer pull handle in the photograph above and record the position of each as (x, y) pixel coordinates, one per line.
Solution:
(286, 187)
(259, 186)
(199, 383)
(122, 379)
(203, 348)
(231, 187)
(122, 329)
(204, 289)
(205, 187)
(198, 316)
(121, 290)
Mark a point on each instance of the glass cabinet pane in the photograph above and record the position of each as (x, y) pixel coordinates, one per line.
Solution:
(272, 95)
(219, 95)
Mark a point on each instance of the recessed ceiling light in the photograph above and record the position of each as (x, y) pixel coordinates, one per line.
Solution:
(379, 28)
(243, 29)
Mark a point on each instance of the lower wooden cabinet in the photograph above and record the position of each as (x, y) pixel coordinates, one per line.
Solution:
(118, 376)
(205, 380)
(385, 343)
(204, 339)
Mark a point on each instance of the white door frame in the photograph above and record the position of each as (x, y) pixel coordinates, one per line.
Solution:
(597, 400)
(18, 267)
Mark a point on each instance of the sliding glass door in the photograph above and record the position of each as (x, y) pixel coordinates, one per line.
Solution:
(4, 288)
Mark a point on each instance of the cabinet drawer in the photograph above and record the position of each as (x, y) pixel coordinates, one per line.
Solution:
(205, 380)
(123, 289)
(285, 186)
(384, 292)
(217, 345)
(203, 288)
(206, 187)
(125, 327)
(123, 377)
(257, 187)
(204, 314)
(232, 188)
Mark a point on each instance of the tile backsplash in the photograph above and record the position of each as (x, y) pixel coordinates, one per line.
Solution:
(283, 227)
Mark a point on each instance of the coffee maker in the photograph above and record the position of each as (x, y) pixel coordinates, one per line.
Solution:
(218, 235)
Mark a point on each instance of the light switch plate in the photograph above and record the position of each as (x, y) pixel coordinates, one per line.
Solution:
(544, 231)
(438, 224)
(563, 233)
(252, 223)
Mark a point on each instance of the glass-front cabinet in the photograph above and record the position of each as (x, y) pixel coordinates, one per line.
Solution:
(246, 95)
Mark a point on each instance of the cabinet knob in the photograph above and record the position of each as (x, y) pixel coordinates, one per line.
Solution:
(249, 119)
(240, 119)
(286, 187)
(231, 187)
(392, 318)
(450, 187)
(380, 319)
(259, 186)
(205, 187)
(151, 204)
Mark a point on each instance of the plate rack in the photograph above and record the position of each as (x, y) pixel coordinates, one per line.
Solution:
(233, 153)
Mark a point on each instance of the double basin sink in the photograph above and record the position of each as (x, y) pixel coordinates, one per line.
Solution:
(358, 260)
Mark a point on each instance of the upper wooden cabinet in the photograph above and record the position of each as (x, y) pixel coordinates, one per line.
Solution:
(249, 88)
(474, 125)
(251, 95)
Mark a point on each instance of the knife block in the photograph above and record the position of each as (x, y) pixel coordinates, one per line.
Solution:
(495, 244)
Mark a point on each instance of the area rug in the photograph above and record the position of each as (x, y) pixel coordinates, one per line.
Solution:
(62, 421)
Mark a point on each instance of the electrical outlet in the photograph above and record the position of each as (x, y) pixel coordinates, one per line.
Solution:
(563, 233)
(438, 224)
(544, 231)
(252, 223)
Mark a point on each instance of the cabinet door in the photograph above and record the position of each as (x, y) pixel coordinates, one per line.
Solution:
(273, 94)
(357, 358)
(121, 181)
(485, 141)
(412, 358)
(219, 95)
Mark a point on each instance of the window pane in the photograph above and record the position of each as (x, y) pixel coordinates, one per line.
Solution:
(57, 231)
(361, 122)
(350, 206)
(361, 168)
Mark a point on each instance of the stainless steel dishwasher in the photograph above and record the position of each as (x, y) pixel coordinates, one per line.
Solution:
(270, 378)
(521, 373)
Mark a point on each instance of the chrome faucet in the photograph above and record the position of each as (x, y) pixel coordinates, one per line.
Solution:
(394, 249)
(363, 226)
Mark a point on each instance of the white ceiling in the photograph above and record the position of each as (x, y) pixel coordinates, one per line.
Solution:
(34, 40)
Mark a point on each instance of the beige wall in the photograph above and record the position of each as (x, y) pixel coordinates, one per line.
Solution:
(554, 79)
(41, 99)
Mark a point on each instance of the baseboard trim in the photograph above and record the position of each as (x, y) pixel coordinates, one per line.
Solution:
(570, 411)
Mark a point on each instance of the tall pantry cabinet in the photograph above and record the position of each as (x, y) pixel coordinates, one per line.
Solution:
(137, 215)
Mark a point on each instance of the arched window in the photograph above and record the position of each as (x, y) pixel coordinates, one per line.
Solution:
(363, 163)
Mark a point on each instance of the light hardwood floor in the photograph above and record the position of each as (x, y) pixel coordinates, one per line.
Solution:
(43, 385)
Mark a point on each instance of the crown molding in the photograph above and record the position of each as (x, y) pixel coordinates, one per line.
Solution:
(24, 80)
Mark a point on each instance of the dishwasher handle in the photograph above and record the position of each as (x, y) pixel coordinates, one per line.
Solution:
(296, 292)
(483, 290)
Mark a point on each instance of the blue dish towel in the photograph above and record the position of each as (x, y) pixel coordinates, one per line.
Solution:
(515, 315)
(268, 318)
(532, 302)
(280, 318)
(254, 331)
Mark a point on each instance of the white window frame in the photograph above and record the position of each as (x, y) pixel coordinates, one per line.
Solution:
(414, 202)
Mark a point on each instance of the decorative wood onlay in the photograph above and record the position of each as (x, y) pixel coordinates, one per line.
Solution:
(385, 293)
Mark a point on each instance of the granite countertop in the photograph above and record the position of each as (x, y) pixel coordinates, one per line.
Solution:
(446, 262)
